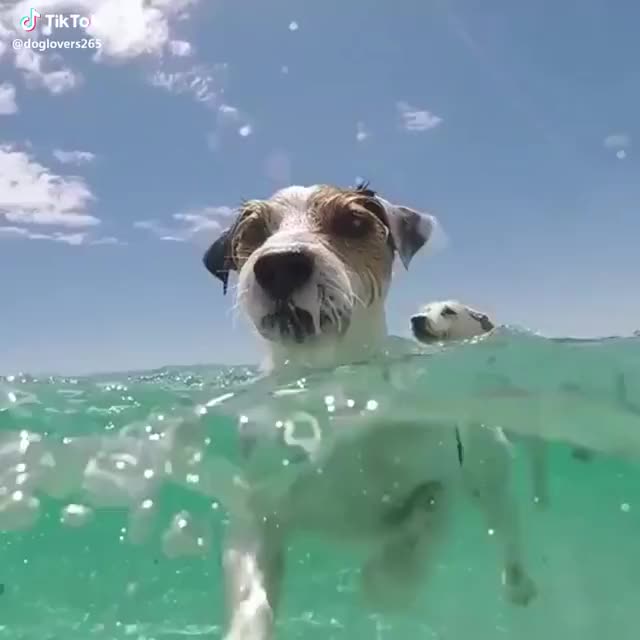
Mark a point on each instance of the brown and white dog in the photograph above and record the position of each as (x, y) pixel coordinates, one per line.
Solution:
(314, 267)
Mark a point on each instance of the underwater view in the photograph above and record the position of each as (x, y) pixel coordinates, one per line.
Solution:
(116, 489)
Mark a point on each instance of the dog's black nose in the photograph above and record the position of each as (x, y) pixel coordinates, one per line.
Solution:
(280, 273)
(418, 324)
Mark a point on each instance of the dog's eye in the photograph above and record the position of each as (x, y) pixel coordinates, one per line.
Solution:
(252, 232)
(352, 224)
(448, 311)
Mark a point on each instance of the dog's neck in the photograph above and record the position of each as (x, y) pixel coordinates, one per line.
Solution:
(364, 340)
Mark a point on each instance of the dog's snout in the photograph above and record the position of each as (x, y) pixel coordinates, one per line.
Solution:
(281, 273)
(418, 323)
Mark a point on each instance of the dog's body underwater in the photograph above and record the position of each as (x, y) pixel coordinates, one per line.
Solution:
(314, 268)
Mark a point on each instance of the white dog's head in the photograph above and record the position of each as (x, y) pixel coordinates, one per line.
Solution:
(449, 320)
(314, 263)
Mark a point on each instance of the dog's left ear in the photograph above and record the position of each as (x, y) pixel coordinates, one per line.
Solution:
(482, 319)
(218, 259)
(410, 230)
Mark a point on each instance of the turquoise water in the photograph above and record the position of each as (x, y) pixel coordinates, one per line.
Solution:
(149, 462)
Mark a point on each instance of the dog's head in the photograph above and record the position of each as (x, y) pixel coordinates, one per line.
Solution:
(310, 258)
(449, 320)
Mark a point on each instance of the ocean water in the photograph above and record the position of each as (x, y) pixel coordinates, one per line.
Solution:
(114, 493)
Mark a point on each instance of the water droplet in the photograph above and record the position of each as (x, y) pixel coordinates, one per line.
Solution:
(626, 507)
(293, 26)
(75, 515)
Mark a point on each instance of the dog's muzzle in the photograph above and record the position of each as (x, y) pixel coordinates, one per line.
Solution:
(281, 273)
(422, 329)
(300, 307)
(288, 322)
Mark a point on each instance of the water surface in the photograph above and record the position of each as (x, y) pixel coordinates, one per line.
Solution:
(114, 492)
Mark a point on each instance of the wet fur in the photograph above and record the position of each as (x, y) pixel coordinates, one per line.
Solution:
(388, 489)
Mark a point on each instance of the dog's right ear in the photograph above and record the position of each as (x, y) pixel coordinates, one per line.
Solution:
(218, 259)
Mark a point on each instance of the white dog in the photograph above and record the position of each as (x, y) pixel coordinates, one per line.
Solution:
(314, 268)
(447, 320)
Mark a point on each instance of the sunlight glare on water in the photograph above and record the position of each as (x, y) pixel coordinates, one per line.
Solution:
(114, 493)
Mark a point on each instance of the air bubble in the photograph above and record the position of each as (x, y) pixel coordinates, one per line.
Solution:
(76, 515)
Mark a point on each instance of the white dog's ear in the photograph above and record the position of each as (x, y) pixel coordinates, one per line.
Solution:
(482, 319)
(410, 229)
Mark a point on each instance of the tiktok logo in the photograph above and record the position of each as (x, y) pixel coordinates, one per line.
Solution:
(28, 23)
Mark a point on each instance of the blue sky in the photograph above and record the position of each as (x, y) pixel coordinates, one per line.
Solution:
(513, 122)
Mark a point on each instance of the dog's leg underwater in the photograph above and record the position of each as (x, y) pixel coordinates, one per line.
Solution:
(392, 577)
(537, 450)
(253, 566)
(487, 474)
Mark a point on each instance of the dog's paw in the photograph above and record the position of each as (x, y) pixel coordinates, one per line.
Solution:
(520, 589)
(391, 583)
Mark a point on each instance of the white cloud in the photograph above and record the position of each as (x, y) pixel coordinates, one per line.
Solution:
(8, 104)
(188, 225)
(74, 157)
(197, 81)
(72, 239)
(106, 240)
(228, 114)
(415, 120)
(31, 64)
(32, 194)
(617, 141)
(127, 29)
(361, 132)
(232, 117)
(180, 48)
